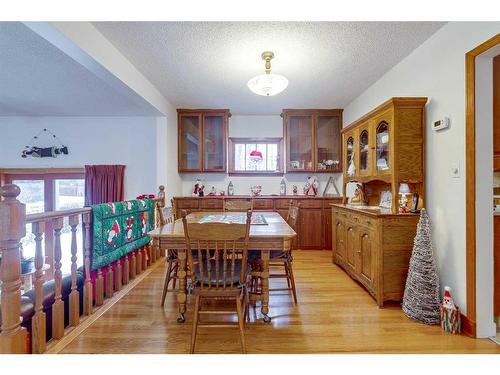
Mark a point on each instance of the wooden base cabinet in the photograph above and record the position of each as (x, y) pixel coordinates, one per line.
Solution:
(374, 249)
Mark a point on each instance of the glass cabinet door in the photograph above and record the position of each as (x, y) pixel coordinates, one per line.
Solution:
(382, 147)
(189, 143)
(215, 145)
(327, 143)
(300, 144)
(349, 156)
(364, 151)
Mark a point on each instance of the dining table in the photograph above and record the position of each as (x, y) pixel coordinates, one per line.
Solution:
(272, 233)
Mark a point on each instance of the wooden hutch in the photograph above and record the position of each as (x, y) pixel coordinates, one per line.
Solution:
(312, 139)
(202, 140)
(381, 150)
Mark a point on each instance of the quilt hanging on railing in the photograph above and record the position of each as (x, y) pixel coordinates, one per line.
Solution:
(119, 228)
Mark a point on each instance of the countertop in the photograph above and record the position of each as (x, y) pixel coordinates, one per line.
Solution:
(260, 197)
(372, 210)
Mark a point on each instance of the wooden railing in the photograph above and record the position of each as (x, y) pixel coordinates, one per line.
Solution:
(13, 220)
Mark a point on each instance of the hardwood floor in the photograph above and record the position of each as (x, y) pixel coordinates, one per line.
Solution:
(334, 315)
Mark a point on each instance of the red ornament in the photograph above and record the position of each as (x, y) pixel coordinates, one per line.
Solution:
(256, 156)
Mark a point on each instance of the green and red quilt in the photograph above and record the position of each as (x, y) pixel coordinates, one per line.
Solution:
(119, 228)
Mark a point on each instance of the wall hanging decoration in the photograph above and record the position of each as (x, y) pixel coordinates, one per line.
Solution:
(44, 152)
(421, 299)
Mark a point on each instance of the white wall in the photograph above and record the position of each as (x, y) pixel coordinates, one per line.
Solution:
(254, 126)
(91, 140)
(437, 70)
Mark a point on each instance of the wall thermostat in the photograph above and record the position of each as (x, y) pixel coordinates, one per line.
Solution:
(441, 124)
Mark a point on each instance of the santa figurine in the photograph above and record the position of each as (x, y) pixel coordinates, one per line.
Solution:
(447, 299)
(311, 186)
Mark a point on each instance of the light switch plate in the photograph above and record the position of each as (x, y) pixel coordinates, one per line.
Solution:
(455, 170)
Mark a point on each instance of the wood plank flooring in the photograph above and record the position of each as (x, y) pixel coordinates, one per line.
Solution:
(334, 315)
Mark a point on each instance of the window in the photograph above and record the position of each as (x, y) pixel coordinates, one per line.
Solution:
(50, 190)
(255, 156)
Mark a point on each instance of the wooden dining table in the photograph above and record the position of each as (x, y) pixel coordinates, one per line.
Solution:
(275, 235)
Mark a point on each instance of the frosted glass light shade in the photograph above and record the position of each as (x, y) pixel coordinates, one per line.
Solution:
(268, 84)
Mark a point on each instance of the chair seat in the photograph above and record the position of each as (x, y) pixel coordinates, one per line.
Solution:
(213, 274)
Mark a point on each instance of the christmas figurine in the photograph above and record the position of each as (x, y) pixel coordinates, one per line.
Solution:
(450, 313)
(294, 189)
(311, 186)
(447, 299)
(196, 190)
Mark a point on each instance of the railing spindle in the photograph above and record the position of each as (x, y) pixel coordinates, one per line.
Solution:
(118, 275)
(126, 271)
(133, 265)
(99, 288)
(74, 296)
(58, 306)
(12, 229)
(38, 325)
(109, 281)
(139, 262)
(87, 288)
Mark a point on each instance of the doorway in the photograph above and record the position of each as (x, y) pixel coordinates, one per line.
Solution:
(479, 187)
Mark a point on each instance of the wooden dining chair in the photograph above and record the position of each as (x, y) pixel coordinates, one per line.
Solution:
(172, 258)
(241, 205)
(280, 259)
(284, 258)
(217, 254)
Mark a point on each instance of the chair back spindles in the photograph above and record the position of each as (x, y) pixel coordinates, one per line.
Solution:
(217, 268)
(38, 324)
(87, 287)
(12, 229)
(74, 296)
(58, 306)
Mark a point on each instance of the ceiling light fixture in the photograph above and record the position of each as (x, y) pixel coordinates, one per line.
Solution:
(268, 84)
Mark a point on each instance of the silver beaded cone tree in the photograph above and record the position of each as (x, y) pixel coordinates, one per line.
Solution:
(421, 300)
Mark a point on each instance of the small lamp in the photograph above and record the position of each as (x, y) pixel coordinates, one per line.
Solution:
(404, 190)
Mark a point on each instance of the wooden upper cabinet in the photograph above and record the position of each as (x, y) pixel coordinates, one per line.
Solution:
(313, 141)
(202, 140)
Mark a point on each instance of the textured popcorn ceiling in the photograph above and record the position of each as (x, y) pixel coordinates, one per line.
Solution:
(202, 64)
(38, 79)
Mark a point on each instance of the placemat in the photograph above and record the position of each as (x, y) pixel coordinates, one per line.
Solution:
(257, 219)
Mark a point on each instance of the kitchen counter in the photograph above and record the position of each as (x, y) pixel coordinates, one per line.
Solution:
(372, 210)
(271, 196)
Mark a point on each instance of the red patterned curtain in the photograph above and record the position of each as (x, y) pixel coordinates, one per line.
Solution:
(103, 183)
